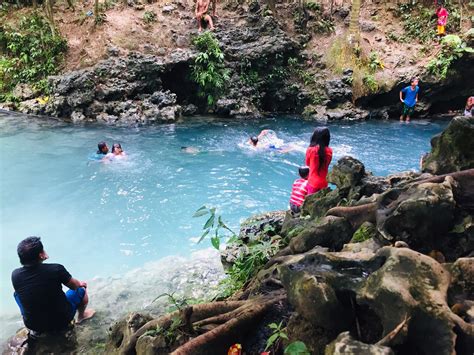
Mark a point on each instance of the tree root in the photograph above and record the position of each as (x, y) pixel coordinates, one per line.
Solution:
(356, 215)
(237, 323)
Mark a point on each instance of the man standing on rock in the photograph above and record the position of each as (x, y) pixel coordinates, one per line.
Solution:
(38, 291)
(202, 6)
(411, 98)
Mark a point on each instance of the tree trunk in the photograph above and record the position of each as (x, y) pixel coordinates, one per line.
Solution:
(48, 9)
(70, 4)
(96, 11)
(354, 29)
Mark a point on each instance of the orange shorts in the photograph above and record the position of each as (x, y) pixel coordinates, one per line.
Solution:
(441, 30)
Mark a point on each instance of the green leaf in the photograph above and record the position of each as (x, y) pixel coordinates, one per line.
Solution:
(201, 212)
(297, 348)
(203, 235)
(210, 222)
(273, 326)
(215, 241)
(271, 340)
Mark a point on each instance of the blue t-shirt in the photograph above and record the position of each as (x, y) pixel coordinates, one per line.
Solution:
(96, 156)
(410, 95)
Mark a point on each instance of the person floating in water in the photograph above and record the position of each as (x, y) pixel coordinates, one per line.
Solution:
(190, 150)
(410, 100)
(38, 291)
(442, 14)
(318, 158)
(202, 6)
(299, 190)
(468, 110)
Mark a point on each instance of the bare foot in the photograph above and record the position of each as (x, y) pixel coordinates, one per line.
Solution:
(212, 28)
(88, 313)
(200, 29)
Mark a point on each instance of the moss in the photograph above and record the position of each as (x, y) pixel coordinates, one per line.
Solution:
(366, 231)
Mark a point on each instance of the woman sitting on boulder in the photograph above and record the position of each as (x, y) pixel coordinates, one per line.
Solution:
(318, 158)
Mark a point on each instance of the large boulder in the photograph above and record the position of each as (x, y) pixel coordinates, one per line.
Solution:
(453, 149)
(345, 344)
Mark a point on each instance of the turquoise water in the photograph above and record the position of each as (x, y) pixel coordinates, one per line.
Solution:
(105, 219)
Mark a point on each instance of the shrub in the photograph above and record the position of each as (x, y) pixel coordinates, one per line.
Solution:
(452, 48)
(31, 53)
(209, 71)
(149, 17)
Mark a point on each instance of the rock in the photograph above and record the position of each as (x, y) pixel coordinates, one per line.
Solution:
(400, 244)
(23, 92)
(367, 246)
(113, 51)
(122, 330)
(343, 12)
(168, 9)
(453, 149)
(316, 205)
(46, 343)
(367, 26)
(338, 92)
(366, 231)
(346, 173)
(77, 116)
(332, 232)
(345, 344)
(189, 110)
(31, 107)
(225, 106)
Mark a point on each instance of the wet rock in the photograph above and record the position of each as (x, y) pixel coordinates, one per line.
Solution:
(189, 110)
(77, 116)
(345, 344)
(332, 232)
(453, 149)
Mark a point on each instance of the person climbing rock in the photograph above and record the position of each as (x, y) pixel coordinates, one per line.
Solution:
(38, 291)
(410, 100)
(202, 6)
(299, 190)
(442, 14)
(318, 158)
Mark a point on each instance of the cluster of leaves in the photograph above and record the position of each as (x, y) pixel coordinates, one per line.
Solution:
(149, 17)
(419, 20)
(209, 71)
(31, 52)
(170, 334)
(275, 339)
(214, 226)
(452, 48)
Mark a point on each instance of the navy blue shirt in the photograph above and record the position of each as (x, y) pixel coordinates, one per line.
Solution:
(39, 289)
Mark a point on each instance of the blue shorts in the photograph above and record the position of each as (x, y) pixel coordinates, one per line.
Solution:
(75, 297)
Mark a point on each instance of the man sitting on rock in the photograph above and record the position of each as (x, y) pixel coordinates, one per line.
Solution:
(202, 6)
(38, 291)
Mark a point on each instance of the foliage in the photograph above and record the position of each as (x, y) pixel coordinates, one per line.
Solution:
(375, 63)
(177, 303)
(297, 348)
(170, 334)
(149, 17)
(452, 48)
(252, 258)
(370, 83)
(277, 334)
(214, 226)
(209, 71)
(32, 53)
(419, 21)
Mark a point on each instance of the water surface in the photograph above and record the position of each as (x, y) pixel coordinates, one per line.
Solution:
(106, 219)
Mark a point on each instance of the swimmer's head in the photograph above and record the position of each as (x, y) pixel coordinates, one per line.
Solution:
(117, 148)
(254, 140)
(304, 172)
(102, 148)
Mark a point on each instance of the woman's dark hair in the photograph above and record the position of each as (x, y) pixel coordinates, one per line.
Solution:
(254, 140)
(101, 146)
(116, 145)
(29, 250)
(321, 137)
(303, 171)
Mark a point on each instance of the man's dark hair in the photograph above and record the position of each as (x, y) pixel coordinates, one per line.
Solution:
(100, 147)
(303, 171)
(29, 250)
(254, 140)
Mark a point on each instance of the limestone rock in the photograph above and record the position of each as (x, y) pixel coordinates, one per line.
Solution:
(122, 330)
(345, 344)
(23, 92)
(316, 205)
(453, 149)
(332, 232)
(347, 172)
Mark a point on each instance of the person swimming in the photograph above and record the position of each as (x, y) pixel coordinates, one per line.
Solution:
(268, 140)
(102, 151)
(190, 150)
(117, 153)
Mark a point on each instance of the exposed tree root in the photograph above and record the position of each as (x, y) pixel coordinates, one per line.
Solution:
(233, 328)
(356, 215)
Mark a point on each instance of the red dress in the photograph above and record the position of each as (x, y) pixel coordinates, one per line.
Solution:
(317, 178)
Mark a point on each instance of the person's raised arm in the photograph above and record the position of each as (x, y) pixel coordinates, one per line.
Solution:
(74, 284)
(206, 7)
(197, 7)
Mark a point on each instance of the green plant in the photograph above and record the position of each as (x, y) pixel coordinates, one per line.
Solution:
(177, 303)
(371, 83)
(313, 6)
(375, 63)
(32, 52)
(296, 348)
(209, 71)
(149, 17)
(452, 48)
(214, 225)
(277, 334)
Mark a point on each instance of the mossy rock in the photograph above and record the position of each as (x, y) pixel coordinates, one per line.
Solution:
(453, 149)
(316, 205)
(366, 231)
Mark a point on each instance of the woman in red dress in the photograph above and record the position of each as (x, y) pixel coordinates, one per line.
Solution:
(318, 158)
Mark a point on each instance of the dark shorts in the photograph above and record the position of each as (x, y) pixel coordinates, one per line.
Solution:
(407, 110)
(75, 297)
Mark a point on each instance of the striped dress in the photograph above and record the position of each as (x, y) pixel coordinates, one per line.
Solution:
(299, 192)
